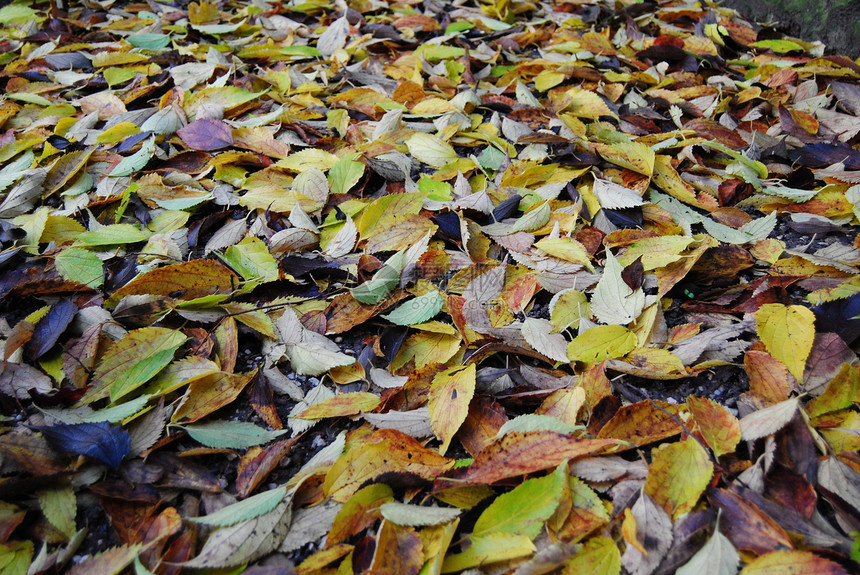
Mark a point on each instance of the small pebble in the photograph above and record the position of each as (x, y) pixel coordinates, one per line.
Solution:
(273, 486)
(671, 400)
(338, 339)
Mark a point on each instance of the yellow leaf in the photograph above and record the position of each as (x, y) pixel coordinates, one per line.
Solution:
(567, 249)
(787, 332)
(678, 476)
(489, 549)
(450, 395)
(341, 405)
(598, 556)
(631, 155)
(793, 563)
(601, 342)
(431, 150)
(666, 178)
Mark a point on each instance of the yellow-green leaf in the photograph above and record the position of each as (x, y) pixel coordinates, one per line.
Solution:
(132, 361)
(678, 475)
(523, 510)
(601, 342)
(489, 549)
(431, 150)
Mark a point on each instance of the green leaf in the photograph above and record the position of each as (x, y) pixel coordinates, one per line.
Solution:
(136, 161)
(81, 266)
(491, 548)
(779, 46)
(250, 508)
(344, 174)
(15, 556)
(231, 434)
(380, 285)
(533, 219)
(601, 342)
(119, 412)
(252, 260)
(150, 42)
(417, 310)
(132, 361)
(112, 235)
(523, 510)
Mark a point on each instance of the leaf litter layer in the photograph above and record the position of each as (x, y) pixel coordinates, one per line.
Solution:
(417, 287)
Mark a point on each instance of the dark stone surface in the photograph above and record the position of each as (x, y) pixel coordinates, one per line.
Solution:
(834, 22)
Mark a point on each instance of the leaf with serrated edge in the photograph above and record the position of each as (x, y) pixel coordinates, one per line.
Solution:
(538, 332)
(245, 541)
(231, 434)
(717, 557)
(246, 510)
(489, 549)
(613, 196)
(678, 475)
(417, 515)
(343, 241)
(613, 301)
(431, 150)
(601, 342)
(768, 421)
(788, 333)
(417, 310)
(450, 395)
(720, 429)
(524, 509)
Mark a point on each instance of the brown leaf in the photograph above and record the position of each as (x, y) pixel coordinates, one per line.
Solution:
(746, 526)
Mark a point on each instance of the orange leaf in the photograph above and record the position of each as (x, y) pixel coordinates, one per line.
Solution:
(398, 551)
(187, 280)
(642, 423)
(210, 393)
(768, 377)
(519, 453)
(719, 428)
(358, 512)
(386, 450)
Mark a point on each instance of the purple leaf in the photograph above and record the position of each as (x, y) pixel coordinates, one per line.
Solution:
(102, 441)
(206, 135)
(49, 329)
